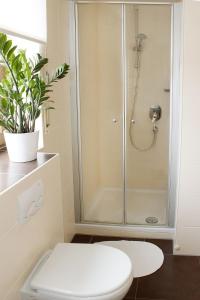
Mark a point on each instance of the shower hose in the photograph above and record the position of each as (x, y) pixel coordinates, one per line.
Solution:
(132, 121)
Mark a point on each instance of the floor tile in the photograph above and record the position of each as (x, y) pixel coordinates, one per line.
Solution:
(82, 238)
(178, 279)
(149, 299)
(98, 238)
(165, 245)
(132, 291)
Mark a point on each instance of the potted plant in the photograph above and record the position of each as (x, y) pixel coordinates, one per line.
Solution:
(23, 94)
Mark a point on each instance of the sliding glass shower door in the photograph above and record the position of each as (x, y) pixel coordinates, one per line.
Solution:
(123, 68)
(101, 112)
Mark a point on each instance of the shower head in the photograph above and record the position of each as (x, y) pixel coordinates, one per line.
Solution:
(141, 36)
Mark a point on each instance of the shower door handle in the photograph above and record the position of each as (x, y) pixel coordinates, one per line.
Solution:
(114, 120)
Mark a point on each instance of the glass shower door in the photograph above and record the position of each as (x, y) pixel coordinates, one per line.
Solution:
(148, 55)
(101, 112)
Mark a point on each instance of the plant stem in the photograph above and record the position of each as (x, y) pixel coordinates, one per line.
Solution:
(17, 89)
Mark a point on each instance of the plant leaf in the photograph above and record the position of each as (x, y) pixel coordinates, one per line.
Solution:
(3, 39)
(7, 46)
(60, 73)
(11, 51)
(41, 62)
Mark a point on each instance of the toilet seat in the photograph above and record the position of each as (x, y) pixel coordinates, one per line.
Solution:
(84, 271)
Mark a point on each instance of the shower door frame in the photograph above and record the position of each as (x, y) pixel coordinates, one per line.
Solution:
(75, 111)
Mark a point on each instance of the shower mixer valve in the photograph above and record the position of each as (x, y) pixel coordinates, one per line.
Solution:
(155, 112)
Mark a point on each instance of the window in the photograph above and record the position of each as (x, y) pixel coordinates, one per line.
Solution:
(31, 48)
(26, 25)
(24, 17)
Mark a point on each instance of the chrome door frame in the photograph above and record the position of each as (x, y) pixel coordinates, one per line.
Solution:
(75, 107)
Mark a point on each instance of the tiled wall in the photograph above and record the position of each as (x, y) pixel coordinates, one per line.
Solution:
(22, 245)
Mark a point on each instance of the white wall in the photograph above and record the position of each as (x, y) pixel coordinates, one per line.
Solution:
(21, 245)
(58, 138)
(188, 207)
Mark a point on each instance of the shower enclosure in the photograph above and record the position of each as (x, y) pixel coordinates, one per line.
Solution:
(123, 113)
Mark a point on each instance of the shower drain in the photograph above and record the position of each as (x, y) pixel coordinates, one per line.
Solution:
(151, 220)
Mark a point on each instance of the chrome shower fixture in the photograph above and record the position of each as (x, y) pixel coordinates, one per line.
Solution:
(140, 37)
(155, 112)
(139, 46)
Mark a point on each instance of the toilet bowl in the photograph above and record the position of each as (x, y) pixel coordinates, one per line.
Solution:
(80, 271)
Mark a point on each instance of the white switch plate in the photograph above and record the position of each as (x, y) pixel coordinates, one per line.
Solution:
(30, 201)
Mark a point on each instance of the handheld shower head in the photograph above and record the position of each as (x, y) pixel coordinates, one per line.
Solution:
(141, 36)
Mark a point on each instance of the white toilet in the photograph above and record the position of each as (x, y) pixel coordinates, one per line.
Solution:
(80, 272)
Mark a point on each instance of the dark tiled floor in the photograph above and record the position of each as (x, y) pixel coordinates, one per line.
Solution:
(98, 238)
(177, 279)
(82, 238)
(165, 245)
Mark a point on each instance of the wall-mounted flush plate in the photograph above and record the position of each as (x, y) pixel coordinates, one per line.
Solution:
(30, 201)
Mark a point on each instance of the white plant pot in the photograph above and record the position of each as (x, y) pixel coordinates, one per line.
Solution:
(22, 147)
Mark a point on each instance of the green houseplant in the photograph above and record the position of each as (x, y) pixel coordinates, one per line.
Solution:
(23, 94)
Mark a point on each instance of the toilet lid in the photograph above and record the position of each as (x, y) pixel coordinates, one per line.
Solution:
(146, 257)
(83, 270)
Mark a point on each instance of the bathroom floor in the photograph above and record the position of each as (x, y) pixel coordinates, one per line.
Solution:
(177, 279)
(140, 204)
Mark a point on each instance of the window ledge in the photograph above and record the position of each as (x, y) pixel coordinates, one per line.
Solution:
(11, 172)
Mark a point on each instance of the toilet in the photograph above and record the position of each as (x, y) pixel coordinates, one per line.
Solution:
(80, 271)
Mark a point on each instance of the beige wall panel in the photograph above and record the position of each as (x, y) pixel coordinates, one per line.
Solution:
(21, 245)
